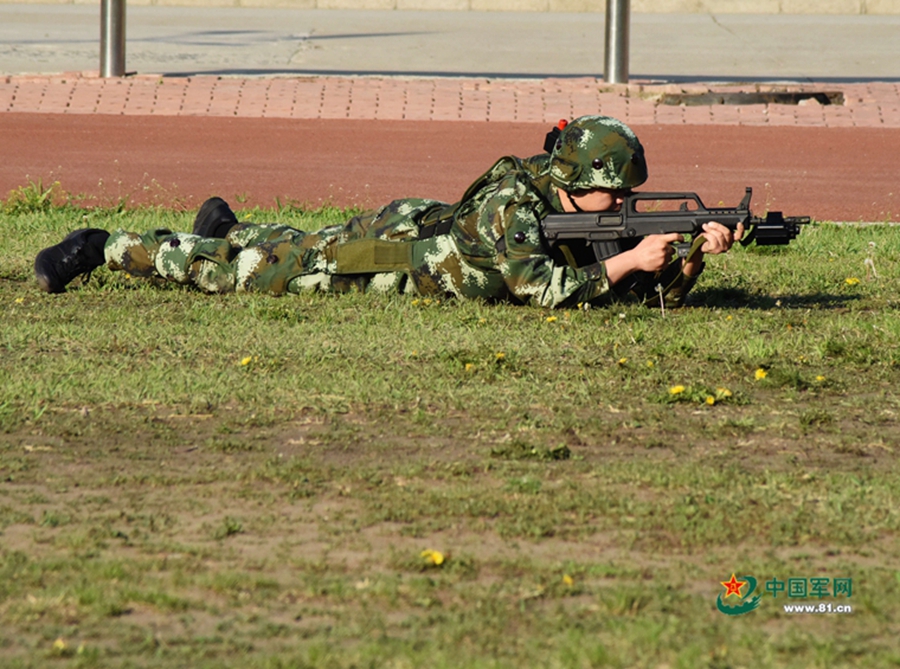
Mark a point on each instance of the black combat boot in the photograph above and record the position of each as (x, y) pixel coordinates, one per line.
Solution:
(79, 253)
(214, 219)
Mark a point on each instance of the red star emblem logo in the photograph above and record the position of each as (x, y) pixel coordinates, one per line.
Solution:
(733, 586)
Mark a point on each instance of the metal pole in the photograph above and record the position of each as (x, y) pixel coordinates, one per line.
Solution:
(112, 38)
(615, 58)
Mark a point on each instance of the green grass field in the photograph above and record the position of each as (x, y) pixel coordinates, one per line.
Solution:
(245, 481)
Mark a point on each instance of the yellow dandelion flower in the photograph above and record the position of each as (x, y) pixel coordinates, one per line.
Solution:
(20, 300)
(649, 363)
(482, 321)
(728, 318)
(710, 400)
(470, 366)
(723, 392)
(676, 390)
(60, 644)
(426, 301)
(415, 303)
(246, 361)
(501, 355)
(568, 580)
(851, 281)
(551, 319)
(432, 557)
(760, 374)
(820, 378)
(622, 361)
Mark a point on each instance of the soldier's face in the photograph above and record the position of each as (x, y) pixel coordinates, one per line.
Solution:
(595, 199)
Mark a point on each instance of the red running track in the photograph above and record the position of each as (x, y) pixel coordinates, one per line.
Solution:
(847, 174)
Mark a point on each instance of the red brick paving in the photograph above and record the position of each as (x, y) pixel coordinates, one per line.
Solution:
(874, 104)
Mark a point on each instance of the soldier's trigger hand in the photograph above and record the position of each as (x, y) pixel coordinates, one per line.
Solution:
(655, 252)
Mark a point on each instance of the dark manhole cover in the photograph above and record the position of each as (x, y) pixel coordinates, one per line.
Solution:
(776, 98)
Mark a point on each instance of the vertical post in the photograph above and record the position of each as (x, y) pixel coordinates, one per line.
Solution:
(112, 38)
(615, 58)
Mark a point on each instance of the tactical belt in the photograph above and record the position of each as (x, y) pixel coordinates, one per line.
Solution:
(441, 228)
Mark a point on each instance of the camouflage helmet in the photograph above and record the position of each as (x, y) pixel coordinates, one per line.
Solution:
(597, 152)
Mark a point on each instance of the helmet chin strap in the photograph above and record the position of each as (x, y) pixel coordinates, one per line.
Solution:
(573, 203)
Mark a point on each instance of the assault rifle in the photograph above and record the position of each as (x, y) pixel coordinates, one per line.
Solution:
(608, 233)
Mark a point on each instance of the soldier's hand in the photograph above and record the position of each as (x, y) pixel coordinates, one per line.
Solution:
(720, 239)
(655, 252)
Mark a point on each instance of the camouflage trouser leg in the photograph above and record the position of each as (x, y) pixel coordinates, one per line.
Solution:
(286, 259)
(266, 258)
(397, 221)
(174, 256)
(213, 265)
(272, 256)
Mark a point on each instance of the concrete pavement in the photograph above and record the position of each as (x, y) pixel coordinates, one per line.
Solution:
(847, 7)
(186, 41)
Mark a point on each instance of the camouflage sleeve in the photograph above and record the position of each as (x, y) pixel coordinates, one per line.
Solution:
(532, 275)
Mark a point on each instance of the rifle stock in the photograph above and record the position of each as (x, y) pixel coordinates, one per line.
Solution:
(609, 232)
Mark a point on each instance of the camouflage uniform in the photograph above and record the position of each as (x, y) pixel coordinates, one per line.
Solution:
(488, 245)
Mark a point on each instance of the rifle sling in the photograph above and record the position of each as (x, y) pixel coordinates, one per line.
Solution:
(567, 254)
(695, 245)
(630, 283)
